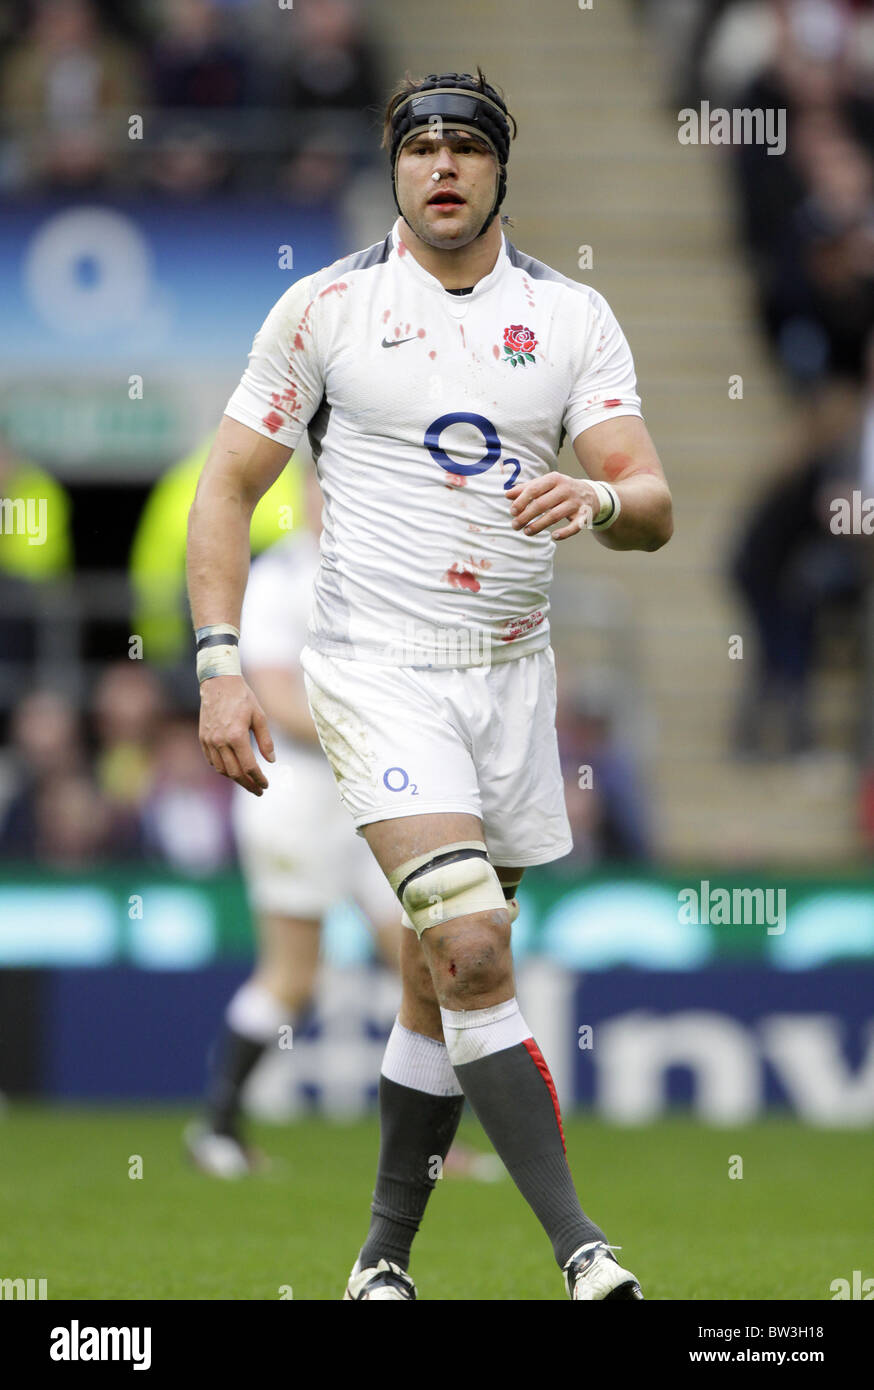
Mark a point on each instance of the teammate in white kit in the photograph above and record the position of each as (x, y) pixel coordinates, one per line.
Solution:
(437, 374)
(298, 853)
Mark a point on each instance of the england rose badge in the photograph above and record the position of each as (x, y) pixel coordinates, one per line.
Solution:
(519, 344)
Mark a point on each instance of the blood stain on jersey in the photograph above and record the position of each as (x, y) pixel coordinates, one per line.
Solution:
(298, 342)
(386, 316)
(272, 421)
(337, 288)
(458, 578)
(612, 404)
(496, 351)
(420, 333)
(432, 355)
(402, 250)
(461, 331)
(456, 480)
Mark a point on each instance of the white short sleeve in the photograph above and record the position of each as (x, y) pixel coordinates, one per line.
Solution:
(280, 390)
(606, 385)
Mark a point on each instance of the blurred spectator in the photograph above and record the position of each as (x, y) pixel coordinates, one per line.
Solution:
(791, 565)
(57, 86)
(199, 73)
(605, 800)
(128, 710)
(45, 745)
(331, 66)
(807, 217)
(190, 162)
(195, 62)
(819, 299)
(328, 83)
(73, 824)
(187, 813)
(318, 172)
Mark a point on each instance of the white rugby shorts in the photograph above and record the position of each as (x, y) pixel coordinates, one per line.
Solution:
(407, 741)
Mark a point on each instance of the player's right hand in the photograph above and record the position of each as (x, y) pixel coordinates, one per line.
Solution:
(228, 711)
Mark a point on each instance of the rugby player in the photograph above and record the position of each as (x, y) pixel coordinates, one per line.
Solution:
(437, 374)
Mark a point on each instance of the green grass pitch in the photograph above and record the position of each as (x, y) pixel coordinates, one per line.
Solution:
(800, 1216)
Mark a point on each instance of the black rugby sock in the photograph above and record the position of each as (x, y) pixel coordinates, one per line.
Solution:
(416, 1134)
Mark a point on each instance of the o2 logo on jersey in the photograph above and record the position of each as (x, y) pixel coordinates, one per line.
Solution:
(395, 779)
(490, 438)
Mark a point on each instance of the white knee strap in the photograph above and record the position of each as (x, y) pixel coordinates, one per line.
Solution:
(434, 892)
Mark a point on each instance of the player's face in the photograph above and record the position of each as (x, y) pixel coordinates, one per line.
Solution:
(450, 212)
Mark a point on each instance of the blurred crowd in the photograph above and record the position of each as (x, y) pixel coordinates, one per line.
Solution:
(239, 95)
(128, 782)
(233, 94)
(805, 220)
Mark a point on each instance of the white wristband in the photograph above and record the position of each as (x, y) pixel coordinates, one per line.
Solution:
(218, 653)
(609, 509)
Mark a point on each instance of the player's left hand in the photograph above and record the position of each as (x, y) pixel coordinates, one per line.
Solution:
(554, 497)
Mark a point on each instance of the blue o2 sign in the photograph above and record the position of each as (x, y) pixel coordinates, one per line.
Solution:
(490, 439)
(395, 779)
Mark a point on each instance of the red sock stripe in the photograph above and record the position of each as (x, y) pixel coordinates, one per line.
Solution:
(539, 1061)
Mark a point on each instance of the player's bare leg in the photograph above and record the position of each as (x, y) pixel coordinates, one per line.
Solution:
(277, 995)
(465, 937)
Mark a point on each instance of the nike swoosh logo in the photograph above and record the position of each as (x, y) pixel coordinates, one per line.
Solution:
(397, 342)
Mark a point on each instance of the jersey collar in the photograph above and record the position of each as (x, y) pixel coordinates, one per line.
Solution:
(425, 278)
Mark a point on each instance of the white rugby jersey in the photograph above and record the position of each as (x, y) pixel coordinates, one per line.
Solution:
(422, 407)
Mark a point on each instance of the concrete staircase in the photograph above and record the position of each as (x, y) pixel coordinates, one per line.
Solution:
(597, 163)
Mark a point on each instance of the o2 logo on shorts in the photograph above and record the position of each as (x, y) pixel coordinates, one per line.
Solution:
(490, 438)
(395, 779)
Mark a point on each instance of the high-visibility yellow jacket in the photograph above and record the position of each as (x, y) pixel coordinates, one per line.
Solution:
(44, 549)
(157, 558)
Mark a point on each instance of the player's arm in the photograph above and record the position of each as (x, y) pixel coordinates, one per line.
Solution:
(241, 466)
(618, 452)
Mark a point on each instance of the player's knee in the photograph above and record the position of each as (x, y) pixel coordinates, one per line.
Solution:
(472, 959)
(449, 883)
(455, 902)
